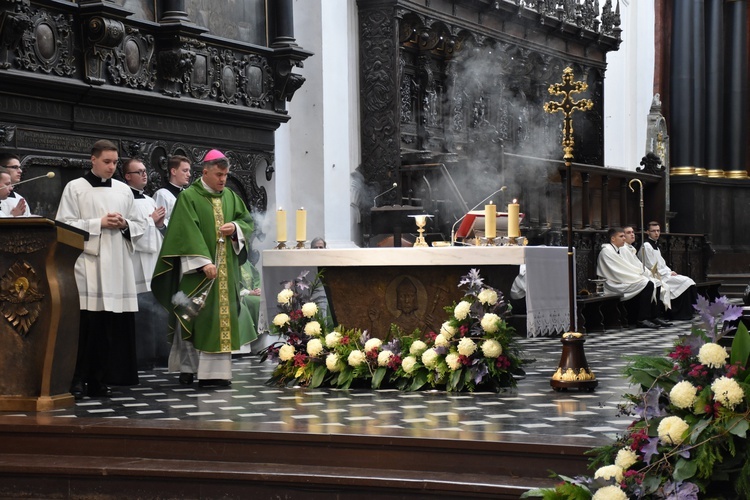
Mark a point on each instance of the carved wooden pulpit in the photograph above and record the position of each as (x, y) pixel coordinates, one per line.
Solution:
(40, 308)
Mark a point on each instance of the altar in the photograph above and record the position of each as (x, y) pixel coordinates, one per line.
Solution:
(372, 288)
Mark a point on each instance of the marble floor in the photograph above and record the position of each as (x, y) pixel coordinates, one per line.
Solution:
(530, 411)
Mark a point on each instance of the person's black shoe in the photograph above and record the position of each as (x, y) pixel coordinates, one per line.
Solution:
(663, 322)
(214, 382)
(647, 324)
(78, 390)
(99, 391)
(186, 378)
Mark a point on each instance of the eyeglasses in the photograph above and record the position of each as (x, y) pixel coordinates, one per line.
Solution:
(139, 172)
(14, 167)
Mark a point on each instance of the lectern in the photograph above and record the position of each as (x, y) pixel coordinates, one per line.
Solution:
(39, 313)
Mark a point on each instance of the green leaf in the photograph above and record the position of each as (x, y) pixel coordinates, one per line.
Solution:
(697, 429)
(738, 426)
(420, 379)
(454, 380)
(684, 469)
(377, 377)
(740, 346)
(318, 376)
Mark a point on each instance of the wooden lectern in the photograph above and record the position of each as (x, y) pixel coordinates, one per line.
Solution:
(39, 313)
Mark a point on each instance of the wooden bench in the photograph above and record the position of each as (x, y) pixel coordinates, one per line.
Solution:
(709, 289)
(599, 313)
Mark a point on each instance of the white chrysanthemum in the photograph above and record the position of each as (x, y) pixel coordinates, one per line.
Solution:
(672, 430)
(281, 319)
(462, 310)
(430, 358)
(285, 296)
(314, 347)
(466, 346)
(409, 364)
(442, 341)
(491, 348)
(286, 352)
(610, 493)
(309, 309)
(417, 348)
(453, 361)
(312, 328)
(447, 330)
(488, 297)
(609, 472)
(626, 458)
(490, 322)
(333, 339)
(384, 357)
(332, 362)
(727, 392)
(373, 344)
(683, 394)
(356, 358)
(712, 355)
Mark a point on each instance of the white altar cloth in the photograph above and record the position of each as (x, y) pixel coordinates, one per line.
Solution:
(546, 273)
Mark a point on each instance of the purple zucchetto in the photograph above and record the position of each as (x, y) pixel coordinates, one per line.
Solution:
(213, 155)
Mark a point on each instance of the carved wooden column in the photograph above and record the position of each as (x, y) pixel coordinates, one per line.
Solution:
(699, 88)
(715, 87)
(737, 93)
(379, 83)
(681, 90)
(605, 202)
(173, 11)
(585, 214)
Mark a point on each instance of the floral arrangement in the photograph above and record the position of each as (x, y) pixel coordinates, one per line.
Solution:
(690, 439)
(474, 348)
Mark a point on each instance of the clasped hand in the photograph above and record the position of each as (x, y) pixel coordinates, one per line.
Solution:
(114, 221)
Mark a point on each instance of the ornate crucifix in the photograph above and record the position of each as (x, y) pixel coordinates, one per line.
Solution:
(573, 371)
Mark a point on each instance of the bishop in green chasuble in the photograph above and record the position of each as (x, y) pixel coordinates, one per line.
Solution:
(222, 325)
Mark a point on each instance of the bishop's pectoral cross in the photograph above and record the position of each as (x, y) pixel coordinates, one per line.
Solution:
(567, 106)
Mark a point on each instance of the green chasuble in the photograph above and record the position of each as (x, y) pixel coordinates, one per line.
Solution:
(193, 232)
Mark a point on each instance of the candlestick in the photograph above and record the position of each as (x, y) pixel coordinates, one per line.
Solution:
(301, 224)
(280, 225)
(490, 220)
(513, 222)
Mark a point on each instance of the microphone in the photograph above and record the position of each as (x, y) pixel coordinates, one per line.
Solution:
(48, 175)
(375, 200)
(453, 229)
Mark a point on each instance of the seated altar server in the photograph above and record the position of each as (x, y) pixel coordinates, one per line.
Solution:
(14, 205)
(632, 255)
(682, 291)
(639, 292)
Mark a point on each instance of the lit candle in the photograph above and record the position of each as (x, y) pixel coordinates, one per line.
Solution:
(281, 224)
(301, 224)
(513, 213)
(490, 220)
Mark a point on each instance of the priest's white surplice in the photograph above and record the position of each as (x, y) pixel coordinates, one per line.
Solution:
(621, 273)
(104, 271)
(165, 198)
(147, 246)
(678, 283)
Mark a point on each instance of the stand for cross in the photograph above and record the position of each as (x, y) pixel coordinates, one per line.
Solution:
(573, 370)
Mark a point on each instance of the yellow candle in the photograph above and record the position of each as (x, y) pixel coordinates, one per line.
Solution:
(513, 212)
(490, 220)
(281, 225)
(301, 224)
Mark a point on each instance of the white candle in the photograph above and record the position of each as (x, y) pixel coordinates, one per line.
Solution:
(490, 220)
(513, 213)
(301, 224)
(281, 225)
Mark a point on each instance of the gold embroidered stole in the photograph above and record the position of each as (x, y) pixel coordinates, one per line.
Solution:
(222, 280)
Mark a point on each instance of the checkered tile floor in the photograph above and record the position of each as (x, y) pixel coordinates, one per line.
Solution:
(532, 410)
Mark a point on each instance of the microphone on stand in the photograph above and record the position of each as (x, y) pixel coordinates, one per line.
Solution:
(453, 229)
(375, 200)
(48, 175)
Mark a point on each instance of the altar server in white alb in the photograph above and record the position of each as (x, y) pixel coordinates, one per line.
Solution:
(179, 179)
(152, 346)
(105, 208)
(632, 254)
(682, 290)
(639, 291)
(13, 205)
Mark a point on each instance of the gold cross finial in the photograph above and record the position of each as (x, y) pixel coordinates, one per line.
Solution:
(567, 106)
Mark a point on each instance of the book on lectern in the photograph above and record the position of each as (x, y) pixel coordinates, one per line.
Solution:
(473, 223)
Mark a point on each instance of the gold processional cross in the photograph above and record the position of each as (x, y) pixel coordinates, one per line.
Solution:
(573, 370)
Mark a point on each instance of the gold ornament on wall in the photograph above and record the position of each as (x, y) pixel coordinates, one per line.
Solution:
(20, 297)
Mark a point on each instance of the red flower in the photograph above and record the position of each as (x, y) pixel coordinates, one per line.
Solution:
(430, 336)
(465, 360)
(463, 330)
(681, 353)
(372, 354)
(502, 362)
(394, 362)
(345, 340)
(295, 315)
(300, 359)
